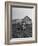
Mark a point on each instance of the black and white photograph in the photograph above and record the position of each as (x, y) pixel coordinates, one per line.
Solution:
(21, 22)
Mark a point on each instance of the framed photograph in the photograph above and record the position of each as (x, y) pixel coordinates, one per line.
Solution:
(20, 22)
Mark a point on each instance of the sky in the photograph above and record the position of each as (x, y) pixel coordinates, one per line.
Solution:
(19, 13)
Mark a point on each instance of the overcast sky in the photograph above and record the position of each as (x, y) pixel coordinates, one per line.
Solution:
(19, 13)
